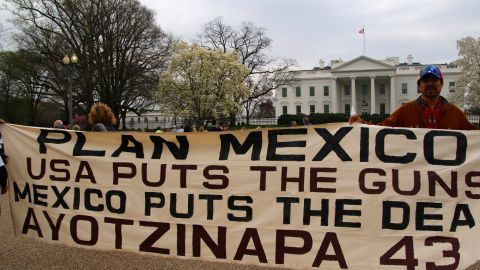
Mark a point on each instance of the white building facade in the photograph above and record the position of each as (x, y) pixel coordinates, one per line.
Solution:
(364, 85)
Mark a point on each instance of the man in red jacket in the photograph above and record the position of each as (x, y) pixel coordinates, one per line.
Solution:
(430, 110)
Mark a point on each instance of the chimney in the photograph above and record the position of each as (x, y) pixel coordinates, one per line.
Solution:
(336, 62)
(409, 59)
(321, 64)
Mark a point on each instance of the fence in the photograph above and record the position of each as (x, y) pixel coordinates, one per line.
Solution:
(473, 118)
(151, 123)
(257, 121)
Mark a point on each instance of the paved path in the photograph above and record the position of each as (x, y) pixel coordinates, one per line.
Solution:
(18, 252)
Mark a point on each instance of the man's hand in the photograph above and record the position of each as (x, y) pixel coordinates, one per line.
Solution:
(355, 118)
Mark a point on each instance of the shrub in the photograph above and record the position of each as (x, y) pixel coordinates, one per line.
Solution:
(323, 118)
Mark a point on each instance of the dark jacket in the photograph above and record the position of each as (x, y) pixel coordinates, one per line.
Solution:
(100, 127)
(3, 178)
(411, 115)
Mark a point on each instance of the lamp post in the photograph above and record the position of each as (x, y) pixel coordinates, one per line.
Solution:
(70, 73)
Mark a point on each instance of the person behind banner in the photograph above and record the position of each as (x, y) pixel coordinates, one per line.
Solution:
(3, 178)
(3, 168)
(3, 174)
(214, 126)
(102, 118)
(181, 129)
(76, 127)
(58, 124)
(306, 121)
(430, 110)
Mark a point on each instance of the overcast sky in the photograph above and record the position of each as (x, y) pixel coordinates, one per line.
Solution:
(310, 30)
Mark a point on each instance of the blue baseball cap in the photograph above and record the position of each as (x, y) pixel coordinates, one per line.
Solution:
(429, 70)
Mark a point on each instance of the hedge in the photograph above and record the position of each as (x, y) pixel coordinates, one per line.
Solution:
(322, 118)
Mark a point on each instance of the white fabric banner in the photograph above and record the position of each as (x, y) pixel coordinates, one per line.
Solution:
(329, 196)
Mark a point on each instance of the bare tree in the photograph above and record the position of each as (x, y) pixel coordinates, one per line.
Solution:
(120, 49)
(24, 77)
(251, 44)
(7, 86)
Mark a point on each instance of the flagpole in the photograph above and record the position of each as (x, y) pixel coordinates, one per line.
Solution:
(363, 40)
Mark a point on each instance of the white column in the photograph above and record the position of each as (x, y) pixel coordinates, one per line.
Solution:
(334, 96)
(354, 96)
(373, 102)
(392, 94)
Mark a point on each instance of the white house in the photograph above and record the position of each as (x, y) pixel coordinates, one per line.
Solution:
(363, 84)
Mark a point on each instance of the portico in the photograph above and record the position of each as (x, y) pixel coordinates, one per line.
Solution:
(361, 94)
(365, 85)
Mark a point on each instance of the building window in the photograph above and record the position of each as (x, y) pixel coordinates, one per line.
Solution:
(132, 120)
(347, 90)
(382, 108)
(404, 88)
(326, 108)
(312, 109)
(156, 119)
(364, 90)
(312, 91)
(284, 109)
(298, 109)
(326, 91)
(451, 87)
(139, 120)
(347, 109)
(284, 92)
(382, 89)
(298, 91)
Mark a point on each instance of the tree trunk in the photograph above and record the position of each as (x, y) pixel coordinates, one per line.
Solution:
(123, 116)
(233, 118)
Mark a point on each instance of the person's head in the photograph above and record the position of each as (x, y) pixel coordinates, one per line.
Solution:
(58, 124)
(76, 127)
(293, 123)
(101, 113)
(306, 121)
(80, 119)
(430, 81)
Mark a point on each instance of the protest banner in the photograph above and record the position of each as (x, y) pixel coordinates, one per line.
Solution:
(331, 196)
